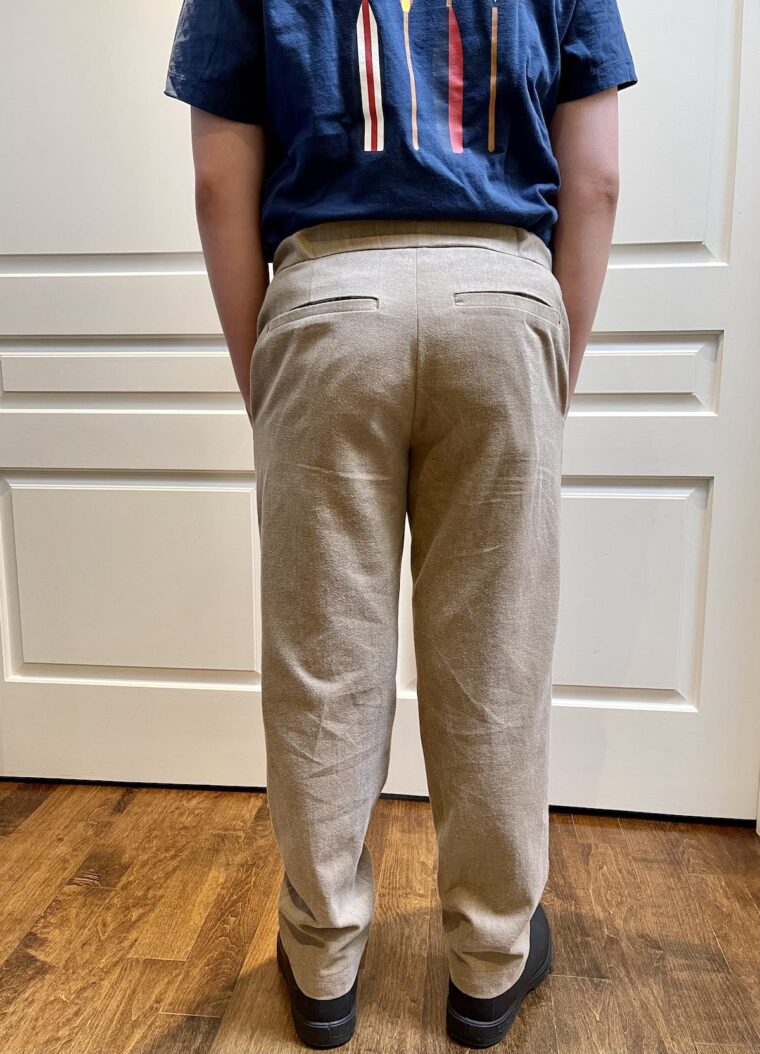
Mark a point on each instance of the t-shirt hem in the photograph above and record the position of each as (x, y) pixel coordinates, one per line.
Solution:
(612, 75)
(205, 96)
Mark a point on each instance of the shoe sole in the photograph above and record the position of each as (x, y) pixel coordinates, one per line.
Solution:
(320, 1034)
(473, 1033)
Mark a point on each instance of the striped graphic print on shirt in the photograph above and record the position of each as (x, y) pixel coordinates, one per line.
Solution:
(369, 53)
(369, 75)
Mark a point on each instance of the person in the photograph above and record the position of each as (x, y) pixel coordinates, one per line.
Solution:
(435, 184)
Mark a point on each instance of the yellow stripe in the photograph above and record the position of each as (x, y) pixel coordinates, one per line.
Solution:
(415, 140)
(492, 99)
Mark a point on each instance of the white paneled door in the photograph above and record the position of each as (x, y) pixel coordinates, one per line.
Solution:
(128, 543)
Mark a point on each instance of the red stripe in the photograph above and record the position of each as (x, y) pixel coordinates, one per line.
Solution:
(456, 82)
(370, 73)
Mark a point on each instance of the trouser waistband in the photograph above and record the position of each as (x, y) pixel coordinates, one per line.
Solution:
(333, 236)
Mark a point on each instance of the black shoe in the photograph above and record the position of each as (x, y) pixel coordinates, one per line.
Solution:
(319, 1022)
(482, 1022)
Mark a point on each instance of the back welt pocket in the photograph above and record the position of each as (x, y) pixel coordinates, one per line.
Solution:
(326, 306)
(516, 301)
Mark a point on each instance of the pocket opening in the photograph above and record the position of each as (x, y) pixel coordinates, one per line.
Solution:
(334, 300)
(323, 306)
(505, 292)
(514, 299)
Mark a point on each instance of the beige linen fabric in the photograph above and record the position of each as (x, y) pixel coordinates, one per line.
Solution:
(412, 368)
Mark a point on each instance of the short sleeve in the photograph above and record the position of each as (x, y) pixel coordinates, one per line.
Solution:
(217, 59)
(594, 54)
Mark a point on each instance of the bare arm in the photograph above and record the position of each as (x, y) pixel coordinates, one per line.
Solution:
(584, 135)
(228, 157)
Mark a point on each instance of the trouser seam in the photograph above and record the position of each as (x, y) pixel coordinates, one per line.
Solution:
(416, 346)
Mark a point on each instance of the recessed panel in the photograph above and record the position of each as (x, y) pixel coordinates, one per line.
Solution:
(677, 123)
(104, 365)
(643, 372)
(96, 158)
(140, 575)
(631, 587)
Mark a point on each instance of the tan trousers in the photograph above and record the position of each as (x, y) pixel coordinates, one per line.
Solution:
(418, 369)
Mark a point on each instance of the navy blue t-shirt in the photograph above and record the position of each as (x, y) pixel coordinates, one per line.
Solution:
(399, 108)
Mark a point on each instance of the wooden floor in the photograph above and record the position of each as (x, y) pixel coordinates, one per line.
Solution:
(144, 920)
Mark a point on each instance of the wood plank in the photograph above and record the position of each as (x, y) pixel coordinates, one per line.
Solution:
(620, 938)
(65, 847)
(128, 1006)
(258, 1012)
(577, 930)
(701, 848)
(176, 1034)
(206, 983)
(47, 942)
(597, 829)
(18, 801)
(659, 922)
(8, 786)
(67, 914)
(672, 982)
(149, 832)
(650, 841)
(104, 864)
(704, 1008)
(644, 1022)
(609, 871)
(724, 900)
(742, 848)
(399, 935)
(31, 838)
(171, 928)
(534, 1031)
(586, 1016)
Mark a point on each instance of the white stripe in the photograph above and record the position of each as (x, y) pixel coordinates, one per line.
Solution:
(363, 79)
(378, 88)
(378, 94)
